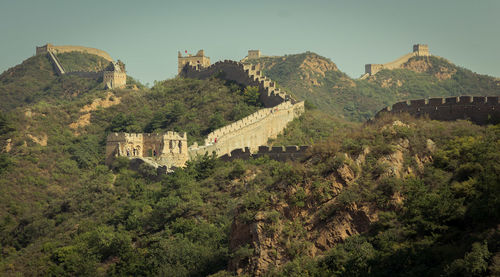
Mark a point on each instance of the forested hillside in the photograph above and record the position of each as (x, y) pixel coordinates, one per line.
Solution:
(398, 196)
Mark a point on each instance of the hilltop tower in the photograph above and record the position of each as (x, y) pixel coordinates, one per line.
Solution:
(115, 76)
(421, 50)
(253, 54)
(199, 60)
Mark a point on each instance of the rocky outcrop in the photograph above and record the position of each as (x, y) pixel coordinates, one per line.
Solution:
(287, 228)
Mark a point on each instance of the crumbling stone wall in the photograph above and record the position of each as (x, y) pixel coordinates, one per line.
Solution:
(478, 109)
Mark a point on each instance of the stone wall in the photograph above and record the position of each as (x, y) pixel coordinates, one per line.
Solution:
(280, 153)
(256, 129)
(86, 74)
(246, 75)
(70, 48)
(252, 131)
(55, 63)
(478, 109)
(421, 50)
(115, 78)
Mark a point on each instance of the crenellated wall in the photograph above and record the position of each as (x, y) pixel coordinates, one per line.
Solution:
(478, 109)
(421, 50)
(256, 129)
(252, 131)
(280, 153)
(246, 75)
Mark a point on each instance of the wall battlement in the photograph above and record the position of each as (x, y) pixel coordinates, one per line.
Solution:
(419, 50)
(280, 153)
(256, 129)
(478, 109)
(246, 75)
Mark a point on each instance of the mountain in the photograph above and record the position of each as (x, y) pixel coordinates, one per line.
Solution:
(34, 80)
(317, 80)
(399, 196)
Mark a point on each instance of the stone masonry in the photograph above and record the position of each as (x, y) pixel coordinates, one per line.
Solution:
(250, 132)
(199, 60)
(478, 109)
(115, 77)
(166, 149)
(419, 50)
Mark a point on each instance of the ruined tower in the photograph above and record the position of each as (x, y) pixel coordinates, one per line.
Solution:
(421, 50)
(114, 76)
(199, 60)
(253, 54)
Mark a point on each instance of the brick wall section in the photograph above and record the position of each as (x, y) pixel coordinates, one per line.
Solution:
(478, 109)
(421, 50)
(252, 131)
(246, 75)
(281, 153)
(256, 129)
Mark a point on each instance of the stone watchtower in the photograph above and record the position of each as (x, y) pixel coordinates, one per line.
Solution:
(199, 60)
(253, 54)
(421, 50)
(114, 76)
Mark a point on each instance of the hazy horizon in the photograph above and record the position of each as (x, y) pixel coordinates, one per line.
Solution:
(147, 36)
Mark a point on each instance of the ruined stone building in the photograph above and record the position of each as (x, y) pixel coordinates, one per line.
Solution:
(199, 60)
(114, 76)
(166, 149)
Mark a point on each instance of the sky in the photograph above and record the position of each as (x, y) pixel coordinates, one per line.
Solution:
(146, 35)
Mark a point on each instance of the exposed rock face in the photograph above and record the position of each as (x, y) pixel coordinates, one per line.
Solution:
(84, 119)
(42, 139)
(318, 224)
(421, 66)
(314, 67)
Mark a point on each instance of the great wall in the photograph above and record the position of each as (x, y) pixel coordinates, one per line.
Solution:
(419, 50)
(246, 138)
(249, 133)
(481, 110)
(114, 77)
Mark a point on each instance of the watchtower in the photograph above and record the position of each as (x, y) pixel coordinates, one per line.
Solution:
(253, 54)
(421, 50)
(199, 60)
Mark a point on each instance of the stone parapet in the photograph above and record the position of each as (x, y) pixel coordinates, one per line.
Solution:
(478, 109)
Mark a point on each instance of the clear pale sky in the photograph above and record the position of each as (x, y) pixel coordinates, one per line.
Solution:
(146, 35)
